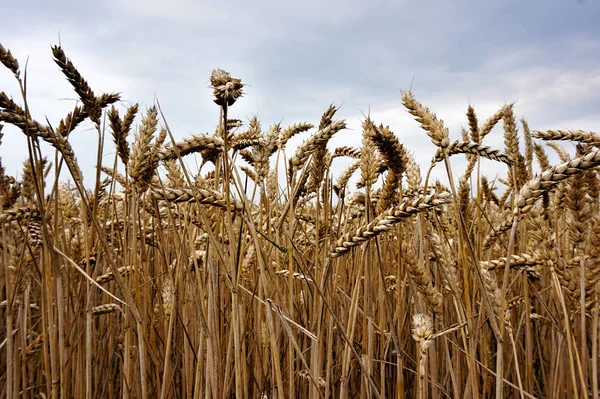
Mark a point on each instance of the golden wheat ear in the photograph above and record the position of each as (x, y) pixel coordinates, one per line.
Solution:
(141, 167)
(225, 88)
(569, 135)
(81, 87)
(473, 148)
(429, 122)
(546, 181)
(10, 62)
(190, 145)
(293, 130)
(473, 124)
(310, 145)
(384, 221)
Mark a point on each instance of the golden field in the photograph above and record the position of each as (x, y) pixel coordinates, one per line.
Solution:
(262, 274)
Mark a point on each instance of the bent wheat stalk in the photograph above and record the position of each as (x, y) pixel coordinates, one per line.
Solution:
(569, 135)
(195, 143)
(346, 151)
(388, 219)
(470, 147)
(311, 144)
(545, 182)
(203, 196)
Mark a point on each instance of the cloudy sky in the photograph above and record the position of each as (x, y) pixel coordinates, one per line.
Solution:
(298, 57)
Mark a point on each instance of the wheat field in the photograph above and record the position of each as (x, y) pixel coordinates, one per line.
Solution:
(263, 275)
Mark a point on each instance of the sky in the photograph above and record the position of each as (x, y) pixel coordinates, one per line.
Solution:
(298, 57)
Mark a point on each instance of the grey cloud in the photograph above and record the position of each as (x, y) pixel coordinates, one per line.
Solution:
(298, 57)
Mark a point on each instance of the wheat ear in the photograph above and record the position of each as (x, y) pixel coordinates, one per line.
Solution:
(569, 135)
(429, 122)
(386, 220)
(549, 178)
(471, 147)
(195, 143)
(203, 196)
